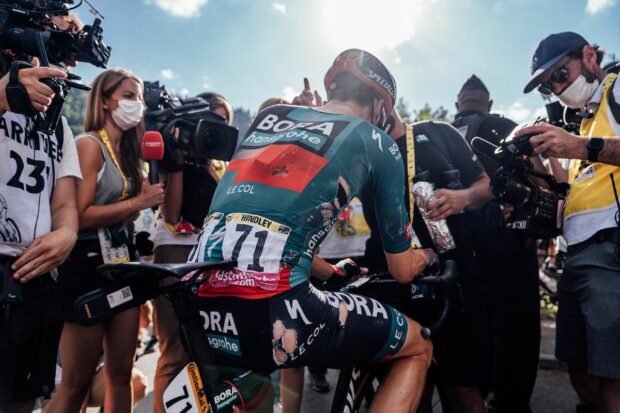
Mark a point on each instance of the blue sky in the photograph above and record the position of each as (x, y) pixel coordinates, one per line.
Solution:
(250, 50)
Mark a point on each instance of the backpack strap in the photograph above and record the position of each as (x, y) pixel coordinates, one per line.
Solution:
(613, 105)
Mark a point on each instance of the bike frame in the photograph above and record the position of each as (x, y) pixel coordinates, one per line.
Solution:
(202, 374)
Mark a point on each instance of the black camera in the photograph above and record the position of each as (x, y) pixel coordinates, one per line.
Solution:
(27, 29)
(535, 195)
(187, 124)
(563, 117)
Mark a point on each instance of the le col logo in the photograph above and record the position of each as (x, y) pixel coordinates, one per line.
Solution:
(214, 321)
(273, 123)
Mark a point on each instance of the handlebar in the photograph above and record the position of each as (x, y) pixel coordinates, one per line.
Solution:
(445, 282)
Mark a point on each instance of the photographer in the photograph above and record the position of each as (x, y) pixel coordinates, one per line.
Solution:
(566, 65)
(507, 260)
(112, 193)
(462, 349)
(188, 194)
(40, 218)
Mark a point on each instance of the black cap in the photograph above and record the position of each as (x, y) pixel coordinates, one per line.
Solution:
(474, 83)
(549, 51)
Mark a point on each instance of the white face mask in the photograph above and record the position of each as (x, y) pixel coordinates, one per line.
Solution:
(579, 93)
(128, 114)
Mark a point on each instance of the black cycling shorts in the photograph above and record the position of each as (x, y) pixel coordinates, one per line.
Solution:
(303, 326)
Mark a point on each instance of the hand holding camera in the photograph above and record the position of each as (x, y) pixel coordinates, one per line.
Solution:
(39, 93)
(549, 140)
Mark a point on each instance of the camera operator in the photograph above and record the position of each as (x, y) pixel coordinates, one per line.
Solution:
(462, 349)
(507, 260)
(566, 65)
(40, 216)
(188, 194)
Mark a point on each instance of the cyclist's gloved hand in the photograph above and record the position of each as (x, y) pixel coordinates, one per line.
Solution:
(432, 260)
(346, 268)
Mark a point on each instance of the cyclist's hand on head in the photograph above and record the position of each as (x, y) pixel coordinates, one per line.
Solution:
(307, 97)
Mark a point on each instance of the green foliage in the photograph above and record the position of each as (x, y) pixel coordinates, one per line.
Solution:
(74, 109)
(426, 113)
(403, 109)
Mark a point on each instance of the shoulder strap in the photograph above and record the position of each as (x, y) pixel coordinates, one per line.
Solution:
(613, 105)
(60, 133)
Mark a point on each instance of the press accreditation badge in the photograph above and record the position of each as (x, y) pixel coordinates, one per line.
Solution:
(112, 254)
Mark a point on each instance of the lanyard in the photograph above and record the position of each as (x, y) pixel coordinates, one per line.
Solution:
(106, 142)
(410, 168)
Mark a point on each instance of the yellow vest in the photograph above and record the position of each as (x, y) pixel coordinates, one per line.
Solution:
(590, 182)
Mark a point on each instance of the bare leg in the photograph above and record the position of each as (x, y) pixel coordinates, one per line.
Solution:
(586, 387)
(610, 395)
(120, 339)
(464, 399)
(402, 388)
(80, 349)
(291, 389)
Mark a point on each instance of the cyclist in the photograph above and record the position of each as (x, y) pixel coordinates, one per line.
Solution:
(292, 175)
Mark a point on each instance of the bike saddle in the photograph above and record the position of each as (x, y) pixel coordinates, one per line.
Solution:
(136, 270)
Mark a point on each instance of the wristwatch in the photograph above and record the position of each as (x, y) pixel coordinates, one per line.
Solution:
(594, 146)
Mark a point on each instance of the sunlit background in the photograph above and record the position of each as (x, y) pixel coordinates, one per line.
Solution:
(250, 50)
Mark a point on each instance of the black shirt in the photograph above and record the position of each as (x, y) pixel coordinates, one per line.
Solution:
(504, 256)
(438, 147)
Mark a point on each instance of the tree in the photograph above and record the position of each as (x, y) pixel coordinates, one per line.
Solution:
(427, 113)
(403, 109)
(73, 110)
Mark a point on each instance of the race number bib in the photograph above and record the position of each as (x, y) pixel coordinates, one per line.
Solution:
(256, 243)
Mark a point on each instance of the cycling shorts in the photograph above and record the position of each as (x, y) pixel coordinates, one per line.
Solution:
(303, 326)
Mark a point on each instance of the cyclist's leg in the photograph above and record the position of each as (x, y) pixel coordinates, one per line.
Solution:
(291, 389)
(80, 349)
(119, 343)
(402, 388)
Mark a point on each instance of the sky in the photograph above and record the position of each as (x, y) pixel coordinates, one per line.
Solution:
(250, 50)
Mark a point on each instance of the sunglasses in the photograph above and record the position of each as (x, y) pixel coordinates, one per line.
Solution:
(560, 75)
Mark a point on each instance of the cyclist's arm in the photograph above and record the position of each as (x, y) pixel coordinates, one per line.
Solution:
(321, 268)
(405, 266)
(388, 190)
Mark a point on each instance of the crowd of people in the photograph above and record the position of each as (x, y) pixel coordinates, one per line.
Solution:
(69, 205)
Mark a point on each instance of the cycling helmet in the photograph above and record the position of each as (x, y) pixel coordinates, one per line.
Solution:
(368, 69)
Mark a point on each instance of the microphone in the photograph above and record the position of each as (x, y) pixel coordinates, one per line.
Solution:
(485, 147)
(153, 151)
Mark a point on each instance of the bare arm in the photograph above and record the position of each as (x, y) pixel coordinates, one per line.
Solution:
(95, 216)
(405, 266)
(321, 268)
(173, 198)
(556, 142)
(52, 249)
